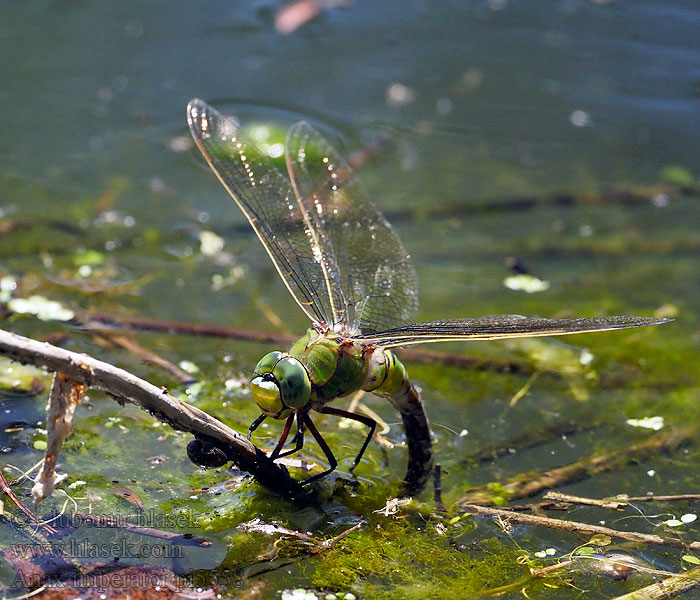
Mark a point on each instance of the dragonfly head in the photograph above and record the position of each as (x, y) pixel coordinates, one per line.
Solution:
(281, 385)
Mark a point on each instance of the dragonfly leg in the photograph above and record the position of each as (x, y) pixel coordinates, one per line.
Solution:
(298, 439)
(326, 450)
(255, 424)
(301, 427)
(283, 437)
(371, 424)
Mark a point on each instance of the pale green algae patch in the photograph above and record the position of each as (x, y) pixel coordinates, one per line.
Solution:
(396, 559)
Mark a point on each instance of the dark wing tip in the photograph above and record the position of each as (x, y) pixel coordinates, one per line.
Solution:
(300, 129)
(662, 320)
(644, 321)
(198, 115)
(195, 105)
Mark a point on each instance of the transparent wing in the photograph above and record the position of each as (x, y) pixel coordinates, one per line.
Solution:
(371, 282)
(498, 327)
(267, 200)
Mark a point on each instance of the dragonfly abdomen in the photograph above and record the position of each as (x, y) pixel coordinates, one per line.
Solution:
(386, 374)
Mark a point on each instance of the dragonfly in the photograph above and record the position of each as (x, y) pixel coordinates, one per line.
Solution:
(348, 271)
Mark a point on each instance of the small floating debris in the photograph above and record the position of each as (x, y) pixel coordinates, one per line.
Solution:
(580, 118)
(684, 520)
(586, 357)
(616, 565)
(298, 13)
(666, 311)
(677, 175)
(189, 367)
(210, 244)
(180, 143)
(392, 506)
(653, 423)
(42, 308)
(398, 94)
(8, 284)
(299, 594)
(523, 282)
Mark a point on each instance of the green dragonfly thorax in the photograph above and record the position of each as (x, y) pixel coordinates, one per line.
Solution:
(319, 368)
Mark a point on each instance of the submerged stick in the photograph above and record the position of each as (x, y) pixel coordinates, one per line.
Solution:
(669, 587)
(147, 356)
(576, 527)
(530, 484)
(125, 387)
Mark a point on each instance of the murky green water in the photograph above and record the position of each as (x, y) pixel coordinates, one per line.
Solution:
(516, 123)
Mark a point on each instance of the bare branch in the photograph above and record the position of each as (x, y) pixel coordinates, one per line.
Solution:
(125, 387)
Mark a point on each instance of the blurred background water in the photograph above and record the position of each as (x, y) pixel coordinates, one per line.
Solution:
(545, 89)
(481, 101)
(502, 126)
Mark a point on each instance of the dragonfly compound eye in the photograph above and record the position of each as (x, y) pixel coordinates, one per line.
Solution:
(282, 385)
(268, 362)
(293, 382)
(266, 394)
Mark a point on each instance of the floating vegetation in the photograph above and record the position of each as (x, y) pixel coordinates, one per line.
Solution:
(41, 307)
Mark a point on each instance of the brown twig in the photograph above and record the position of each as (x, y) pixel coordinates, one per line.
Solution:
(125, 387)
(544, 571)
(669, 587)
(653, 498)
(557, 501)
(147, 356)
(4, 486)
(569, 499)
(530, 484)
(581, 528)
(98, 320)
